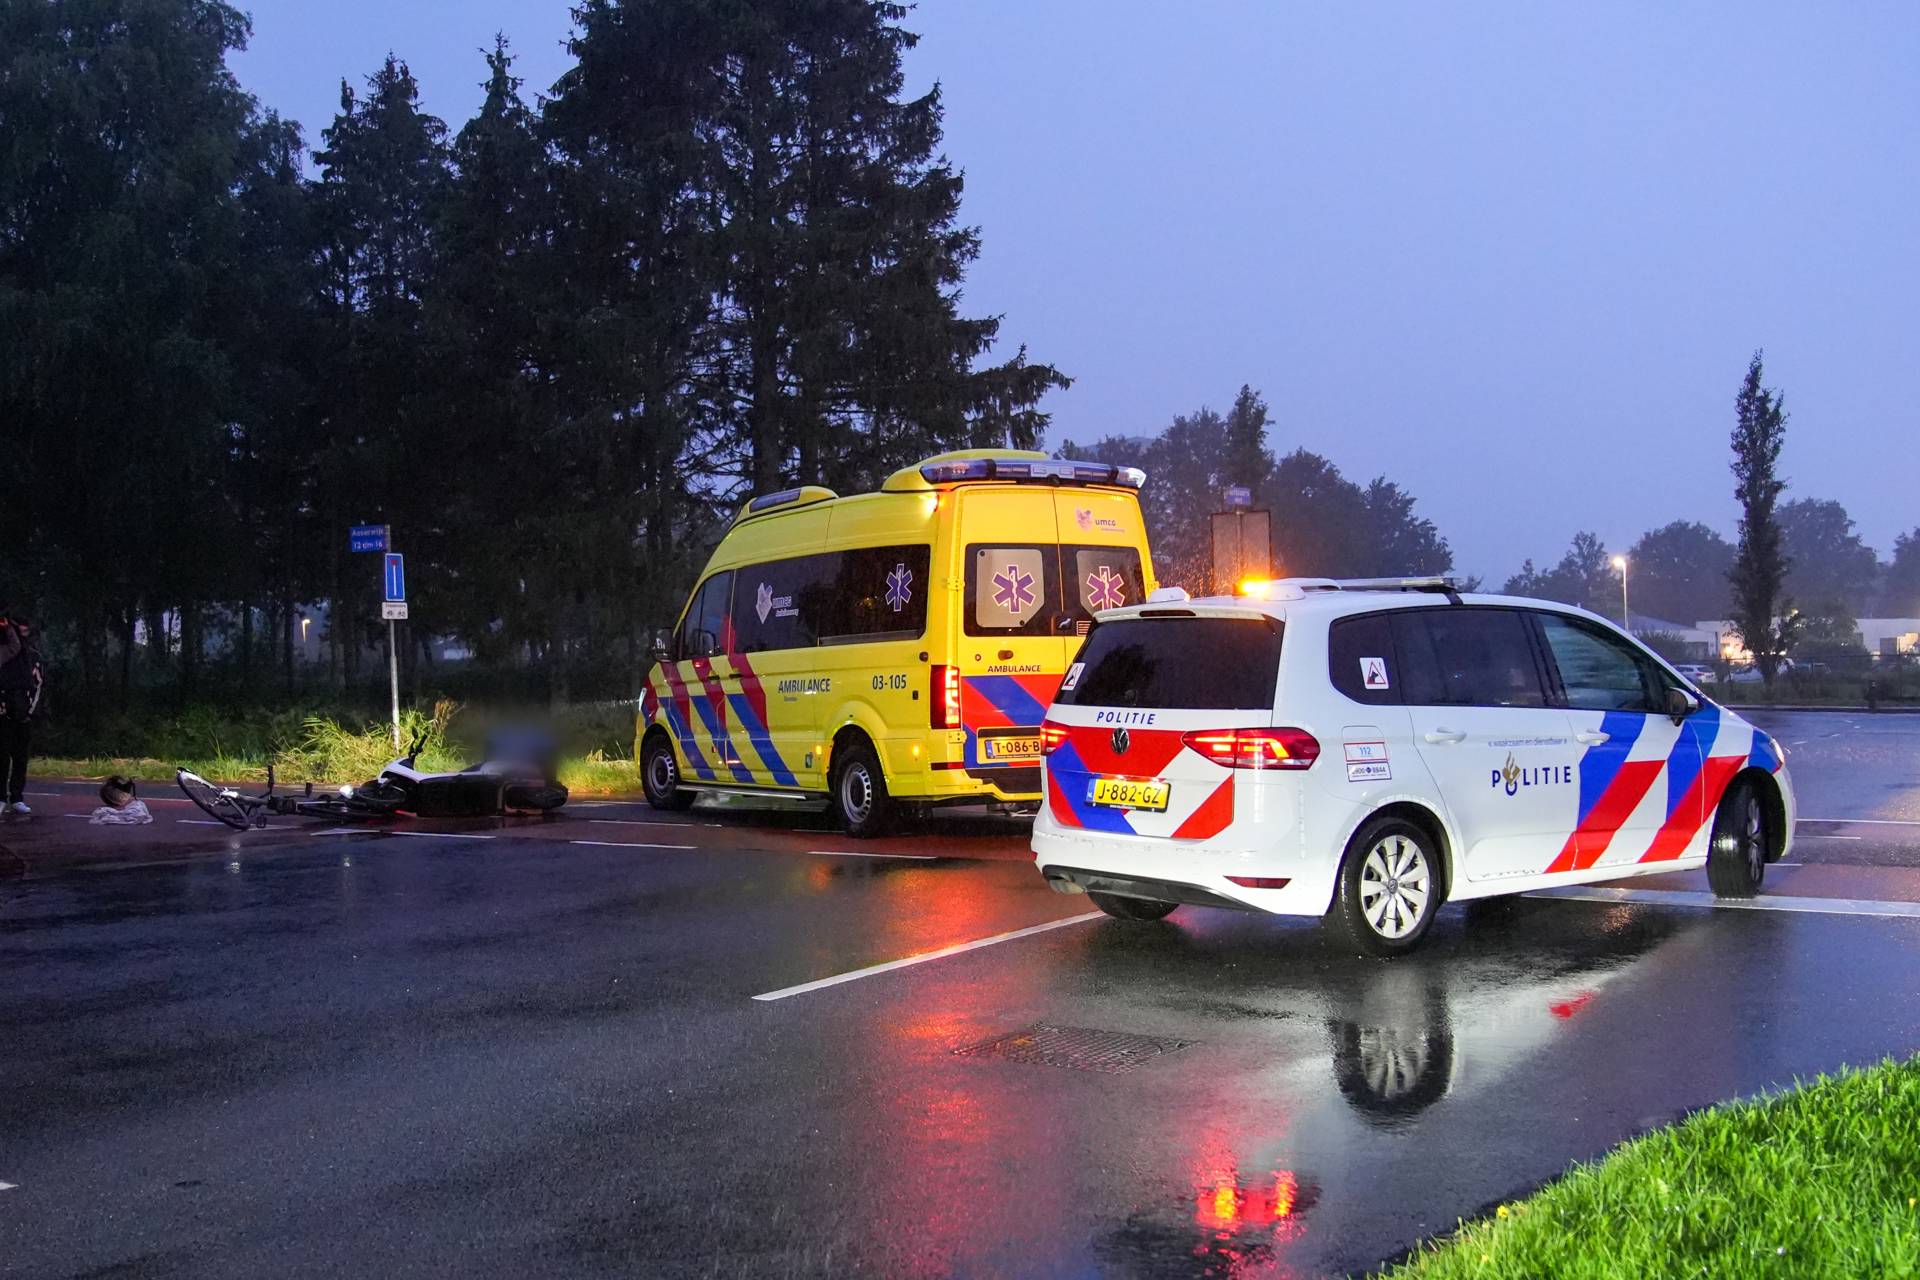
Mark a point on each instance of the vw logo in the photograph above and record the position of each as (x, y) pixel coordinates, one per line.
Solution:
(1121, 741)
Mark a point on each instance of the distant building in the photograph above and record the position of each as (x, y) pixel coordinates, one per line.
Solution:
(1696, 645)
(1882, 637)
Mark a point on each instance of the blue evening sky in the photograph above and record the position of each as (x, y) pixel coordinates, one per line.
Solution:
(1514, 256)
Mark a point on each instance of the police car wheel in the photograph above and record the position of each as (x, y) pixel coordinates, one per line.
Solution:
(1389, 889)
(1737, 856)
(1131, 908)
(860, 794)
(660, 776)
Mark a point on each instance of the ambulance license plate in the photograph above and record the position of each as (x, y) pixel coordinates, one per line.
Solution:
(1129, 793)
(1010, 748)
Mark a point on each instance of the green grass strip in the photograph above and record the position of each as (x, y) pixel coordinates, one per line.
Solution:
(1821, 1181)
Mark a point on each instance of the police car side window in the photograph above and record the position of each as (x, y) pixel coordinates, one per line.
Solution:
(1600, 672)
(1361, 662)
(1462, 656)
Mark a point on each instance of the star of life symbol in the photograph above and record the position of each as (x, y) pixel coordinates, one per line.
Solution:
(1106, 590)
(763, 601)
(899, 587)
(1013, 589)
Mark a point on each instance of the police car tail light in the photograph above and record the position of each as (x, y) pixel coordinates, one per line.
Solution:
(943, 702)
(1255, 748)
(1052, 737)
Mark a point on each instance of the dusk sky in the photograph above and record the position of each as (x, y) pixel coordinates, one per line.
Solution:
(1513, 256)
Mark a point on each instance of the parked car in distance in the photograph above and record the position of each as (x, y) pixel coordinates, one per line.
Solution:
(1698, 672)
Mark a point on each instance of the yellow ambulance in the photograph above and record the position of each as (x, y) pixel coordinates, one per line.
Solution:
(892, 648)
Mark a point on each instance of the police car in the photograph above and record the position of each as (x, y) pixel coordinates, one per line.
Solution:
(1370, 749)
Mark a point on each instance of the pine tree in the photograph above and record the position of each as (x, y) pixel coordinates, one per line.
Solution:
(384, 176)
(1762, 619)
(842, 352)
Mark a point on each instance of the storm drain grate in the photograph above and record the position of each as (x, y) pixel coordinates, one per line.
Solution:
(1077, 1048)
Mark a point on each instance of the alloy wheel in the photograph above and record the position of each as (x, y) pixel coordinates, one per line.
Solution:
(1395, 884)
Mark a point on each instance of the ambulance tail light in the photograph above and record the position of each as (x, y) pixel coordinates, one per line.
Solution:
(943, 702)
(1053, 736)
(1255, 748)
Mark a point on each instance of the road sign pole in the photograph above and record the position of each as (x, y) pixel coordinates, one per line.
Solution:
(393, 680)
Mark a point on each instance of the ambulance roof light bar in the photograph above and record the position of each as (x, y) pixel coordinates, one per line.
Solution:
(1050, 470)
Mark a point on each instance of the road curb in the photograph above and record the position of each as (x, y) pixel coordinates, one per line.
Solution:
(1857, 710)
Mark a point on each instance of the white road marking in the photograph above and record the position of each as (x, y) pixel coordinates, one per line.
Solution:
(646, 822)
(631, 844)
(440, 835)
(7, 1186)
(925, 956)
(1866, 822)
(195, 822)
(1815, 835)
(837, 853)
(1699, 898)
(68, 795)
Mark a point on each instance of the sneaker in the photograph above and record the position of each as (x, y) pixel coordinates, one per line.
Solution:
(20, 807)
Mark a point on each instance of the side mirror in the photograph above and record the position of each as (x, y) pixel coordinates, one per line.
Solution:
(662, 647)
(1681, 704)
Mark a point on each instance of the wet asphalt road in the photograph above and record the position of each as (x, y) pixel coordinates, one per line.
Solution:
(501, 1049)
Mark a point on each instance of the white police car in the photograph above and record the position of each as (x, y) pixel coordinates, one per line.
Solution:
(1368, 750)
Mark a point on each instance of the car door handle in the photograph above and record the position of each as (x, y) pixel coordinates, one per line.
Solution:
(1592, 737)
(1438, 736)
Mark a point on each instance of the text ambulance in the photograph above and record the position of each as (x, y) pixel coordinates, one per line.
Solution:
(890, 647)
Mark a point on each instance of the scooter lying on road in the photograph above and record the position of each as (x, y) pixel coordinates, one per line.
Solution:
(516, 777)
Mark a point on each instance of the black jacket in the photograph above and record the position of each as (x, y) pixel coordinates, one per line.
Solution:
(23, 675)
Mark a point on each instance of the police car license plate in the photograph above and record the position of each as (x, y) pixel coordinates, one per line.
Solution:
(1010, 748)
(1129, 793)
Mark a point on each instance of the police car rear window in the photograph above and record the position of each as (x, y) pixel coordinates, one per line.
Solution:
(1188, 664)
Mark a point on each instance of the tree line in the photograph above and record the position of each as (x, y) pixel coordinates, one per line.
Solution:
(1798, 575)
(1322, 523)
(551, 348)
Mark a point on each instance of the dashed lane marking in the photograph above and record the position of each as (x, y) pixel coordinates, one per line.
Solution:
(838, 853)
(1866, 822)
(925, 956)
(7, 1186)
(1698, 898)
(441, 835)
(631, 844)
(647, 822)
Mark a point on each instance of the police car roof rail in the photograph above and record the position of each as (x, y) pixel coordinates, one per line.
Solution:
(1445, 586)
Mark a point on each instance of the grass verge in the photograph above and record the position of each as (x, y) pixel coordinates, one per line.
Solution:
(1822, 1181)
(326, 752)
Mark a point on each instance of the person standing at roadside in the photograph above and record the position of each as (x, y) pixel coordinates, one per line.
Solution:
(22, 681)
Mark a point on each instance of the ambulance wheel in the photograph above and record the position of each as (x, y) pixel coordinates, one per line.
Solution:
(1737, 856)
(860, 793)
(660, 776)
(1389, 889)
(1131, 908)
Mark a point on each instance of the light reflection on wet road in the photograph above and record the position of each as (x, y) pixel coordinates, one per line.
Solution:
(526, 1056)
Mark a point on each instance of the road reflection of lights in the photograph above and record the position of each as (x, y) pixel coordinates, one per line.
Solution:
(1567, 1008)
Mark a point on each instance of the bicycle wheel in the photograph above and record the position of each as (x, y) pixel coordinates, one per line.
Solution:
(220, 803)
(341, 809)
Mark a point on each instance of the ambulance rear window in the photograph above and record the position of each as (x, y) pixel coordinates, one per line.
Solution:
(1185, 664)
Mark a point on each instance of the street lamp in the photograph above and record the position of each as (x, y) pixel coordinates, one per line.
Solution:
(1626, 622)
